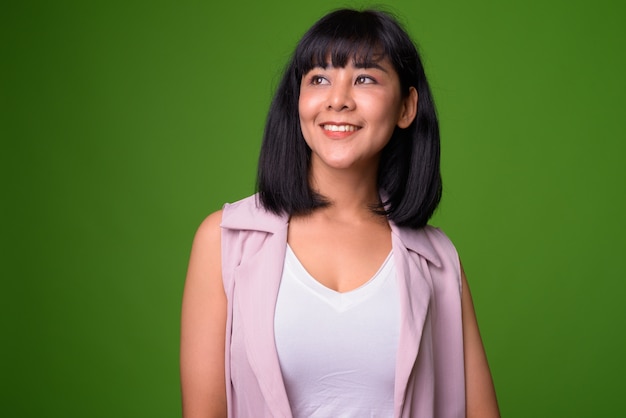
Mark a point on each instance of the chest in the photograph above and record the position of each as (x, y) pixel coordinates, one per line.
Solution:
(341, 257)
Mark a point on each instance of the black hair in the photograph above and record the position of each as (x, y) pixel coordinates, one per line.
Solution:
(408, 174)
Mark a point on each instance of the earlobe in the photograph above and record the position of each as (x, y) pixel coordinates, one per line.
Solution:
(409, 109)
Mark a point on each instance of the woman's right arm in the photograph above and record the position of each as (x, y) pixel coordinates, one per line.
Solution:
(203, 326)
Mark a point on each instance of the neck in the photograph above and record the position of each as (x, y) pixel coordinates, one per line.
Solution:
(351, 193)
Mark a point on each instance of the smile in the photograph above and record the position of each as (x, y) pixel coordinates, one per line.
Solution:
(340, 128)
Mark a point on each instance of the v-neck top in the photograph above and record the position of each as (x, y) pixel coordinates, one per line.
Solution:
(337, 350)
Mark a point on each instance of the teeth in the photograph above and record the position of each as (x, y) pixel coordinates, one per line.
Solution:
(340, 128)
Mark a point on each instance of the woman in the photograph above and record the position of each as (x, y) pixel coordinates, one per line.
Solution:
(326, 294)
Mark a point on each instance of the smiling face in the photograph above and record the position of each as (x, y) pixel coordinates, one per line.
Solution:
(348, 114)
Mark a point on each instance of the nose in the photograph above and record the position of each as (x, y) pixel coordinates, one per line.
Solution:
(340, 96)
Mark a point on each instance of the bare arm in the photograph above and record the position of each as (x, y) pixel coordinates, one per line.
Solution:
(203, 326)
(479, 390)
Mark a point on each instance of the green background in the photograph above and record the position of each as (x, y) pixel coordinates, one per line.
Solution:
(123, 124)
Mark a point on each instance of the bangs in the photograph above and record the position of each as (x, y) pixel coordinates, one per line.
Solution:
(339, 52)
(341, 39)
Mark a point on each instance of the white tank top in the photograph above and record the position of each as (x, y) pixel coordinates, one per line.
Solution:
(337, 351)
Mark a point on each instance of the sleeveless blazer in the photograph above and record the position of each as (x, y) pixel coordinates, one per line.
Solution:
(429, 375)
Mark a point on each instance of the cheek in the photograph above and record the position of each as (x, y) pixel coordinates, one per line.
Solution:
(305, 105)
(383, 109)
(394, 109)
(304, 115)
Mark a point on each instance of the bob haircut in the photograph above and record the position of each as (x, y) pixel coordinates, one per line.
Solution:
(409, 176)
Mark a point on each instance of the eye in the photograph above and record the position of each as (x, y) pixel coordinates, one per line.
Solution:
(364, 79)
(317, 80)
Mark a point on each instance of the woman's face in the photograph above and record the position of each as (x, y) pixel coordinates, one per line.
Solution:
(348, 114)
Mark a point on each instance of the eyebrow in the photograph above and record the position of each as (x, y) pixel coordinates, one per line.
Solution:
(361, 65)
(369, 64)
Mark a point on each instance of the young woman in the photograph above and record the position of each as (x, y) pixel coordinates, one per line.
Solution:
(327, 294)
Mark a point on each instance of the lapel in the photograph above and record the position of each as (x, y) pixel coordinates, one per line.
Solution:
(258, 279)
(415, 299)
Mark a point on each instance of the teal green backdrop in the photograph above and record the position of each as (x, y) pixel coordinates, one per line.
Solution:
(123, 124)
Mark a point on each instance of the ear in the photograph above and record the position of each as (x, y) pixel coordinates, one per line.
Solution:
(409, 109)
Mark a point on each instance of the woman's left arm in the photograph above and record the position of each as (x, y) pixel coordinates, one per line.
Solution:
(479, 390)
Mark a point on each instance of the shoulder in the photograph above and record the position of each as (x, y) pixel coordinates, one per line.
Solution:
(211, 226)
(447, 252)
(249, 214)
(241, 208)
(211, 235)
(445, 248)
(430, 242)
(204, 261)
(442, 243)
(208, 233)
(434, 245)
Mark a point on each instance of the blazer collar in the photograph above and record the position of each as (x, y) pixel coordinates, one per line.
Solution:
(417, 240)
(251, 216)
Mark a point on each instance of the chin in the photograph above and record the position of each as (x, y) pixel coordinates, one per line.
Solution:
(339, 164)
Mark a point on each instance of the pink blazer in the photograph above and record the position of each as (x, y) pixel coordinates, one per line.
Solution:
(429, 379)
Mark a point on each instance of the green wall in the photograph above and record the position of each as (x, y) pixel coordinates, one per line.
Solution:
(123, 124)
